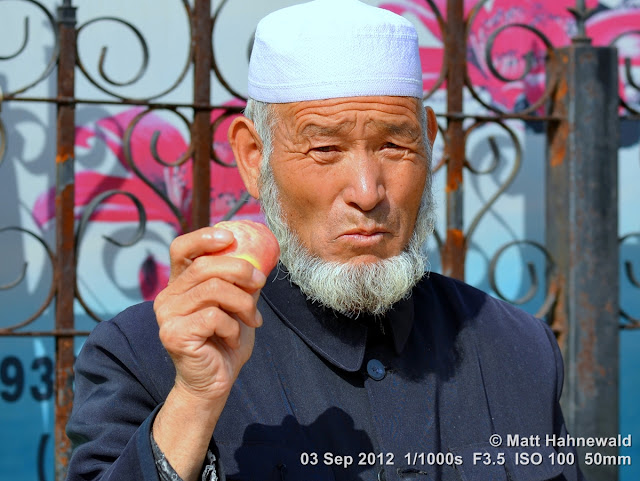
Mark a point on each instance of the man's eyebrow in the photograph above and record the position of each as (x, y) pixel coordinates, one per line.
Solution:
(314, 130)
(406, 130)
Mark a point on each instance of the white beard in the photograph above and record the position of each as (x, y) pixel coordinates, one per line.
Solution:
(351, 289)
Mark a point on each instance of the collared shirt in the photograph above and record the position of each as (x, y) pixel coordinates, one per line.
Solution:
(416, 395)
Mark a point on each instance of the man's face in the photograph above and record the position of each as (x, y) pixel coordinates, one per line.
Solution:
(350, 174)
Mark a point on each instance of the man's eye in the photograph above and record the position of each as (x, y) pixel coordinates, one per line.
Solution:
(325, 148)
(391, 145)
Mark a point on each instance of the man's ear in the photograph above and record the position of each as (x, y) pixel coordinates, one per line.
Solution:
(247, 150)
(432, 125)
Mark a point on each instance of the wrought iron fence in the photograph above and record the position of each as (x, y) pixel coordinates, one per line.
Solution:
(569, 67)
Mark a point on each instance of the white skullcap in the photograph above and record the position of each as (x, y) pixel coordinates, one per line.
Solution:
(333, 48)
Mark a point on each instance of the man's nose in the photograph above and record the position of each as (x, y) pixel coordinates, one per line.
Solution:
(365, 187)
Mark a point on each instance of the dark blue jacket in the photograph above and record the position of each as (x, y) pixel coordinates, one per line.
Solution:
(416, 396)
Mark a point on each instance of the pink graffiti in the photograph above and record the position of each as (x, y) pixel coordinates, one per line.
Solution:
(514, 45)
(175, 182)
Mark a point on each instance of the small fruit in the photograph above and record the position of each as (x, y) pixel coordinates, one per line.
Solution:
(253, 242)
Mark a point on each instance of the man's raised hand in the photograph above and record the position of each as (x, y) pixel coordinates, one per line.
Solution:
(207, 314)
(207, 317)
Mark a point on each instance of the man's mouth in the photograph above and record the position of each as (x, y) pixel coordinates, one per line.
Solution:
(366, 232)
(364, 236)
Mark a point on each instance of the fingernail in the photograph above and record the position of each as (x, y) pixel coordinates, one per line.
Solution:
(258, 277)
(222, 235)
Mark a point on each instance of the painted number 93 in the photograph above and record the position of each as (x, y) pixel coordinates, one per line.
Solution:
(12, 378)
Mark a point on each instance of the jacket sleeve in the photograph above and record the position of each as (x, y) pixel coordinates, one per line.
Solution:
(112, 413)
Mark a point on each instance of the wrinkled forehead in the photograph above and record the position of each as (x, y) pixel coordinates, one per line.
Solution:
(327, 117)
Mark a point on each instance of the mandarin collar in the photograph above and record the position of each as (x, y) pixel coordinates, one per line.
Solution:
(340, 340)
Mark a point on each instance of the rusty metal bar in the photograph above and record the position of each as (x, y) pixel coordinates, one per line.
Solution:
(454, 248)
(228, 108)
(65, 264)
(121, 102)
(53, 333)
(201, 130)
(582, 237)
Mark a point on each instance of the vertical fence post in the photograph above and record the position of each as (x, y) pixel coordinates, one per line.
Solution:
(201, 133)
(65, 275)
(454, 248)
(582, 236)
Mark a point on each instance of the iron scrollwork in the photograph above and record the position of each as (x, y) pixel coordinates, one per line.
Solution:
(103, 55)
(634, 280)
(534, 281)
(88, 212)
(630, 81)
(145, 59)
(443, 69)
(529, 63)
(55, 50)
(18, 280)
(129, 157)
(214, 64)
(517, 162)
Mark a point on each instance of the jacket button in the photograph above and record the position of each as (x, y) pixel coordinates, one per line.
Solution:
(381, 475)
(376, 370)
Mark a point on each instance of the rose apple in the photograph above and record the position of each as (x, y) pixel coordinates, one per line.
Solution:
(253, 242)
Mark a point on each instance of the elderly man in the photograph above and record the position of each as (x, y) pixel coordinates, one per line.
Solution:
(348, 362)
